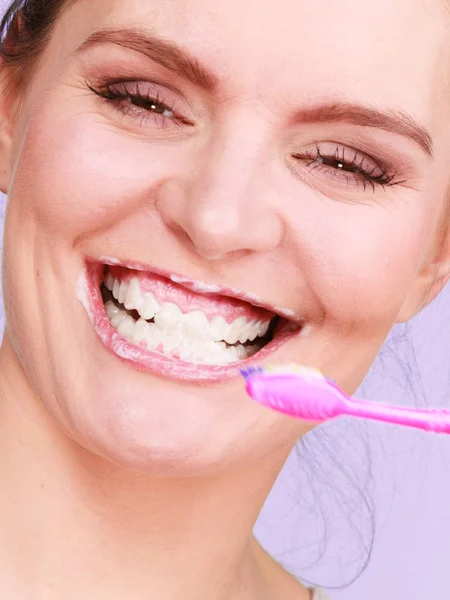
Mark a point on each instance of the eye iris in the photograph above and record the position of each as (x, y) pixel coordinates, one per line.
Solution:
(335, 163)
(152, 106)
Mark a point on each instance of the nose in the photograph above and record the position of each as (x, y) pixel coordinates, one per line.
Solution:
(224, 205)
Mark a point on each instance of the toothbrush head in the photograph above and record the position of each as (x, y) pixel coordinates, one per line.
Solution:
(295, 390)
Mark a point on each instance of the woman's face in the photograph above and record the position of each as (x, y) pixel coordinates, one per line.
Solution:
(221, 167)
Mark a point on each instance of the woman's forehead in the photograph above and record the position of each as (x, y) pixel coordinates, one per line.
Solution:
(384, 53)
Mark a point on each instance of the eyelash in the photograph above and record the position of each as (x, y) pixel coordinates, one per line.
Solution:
(356, 167)
(130, 100)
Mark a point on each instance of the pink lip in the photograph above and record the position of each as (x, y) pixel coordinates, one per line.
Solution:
(170, 367)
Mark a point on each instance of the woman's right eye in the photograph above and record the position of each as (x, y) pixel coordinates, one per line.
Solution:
(149, 103)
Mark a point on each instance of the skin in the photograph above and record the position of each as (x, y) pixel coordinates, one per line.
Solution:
(157, 484)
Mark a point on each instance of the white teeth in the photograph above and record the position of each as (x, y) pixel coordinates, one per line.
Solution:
(122, 292)
(202, 352)
(241, 352)
(133, 298)
(116, 288)
(170, 343)
(149, 307)
(235, 330)
(191, 336)
(246, 331)
(169, 316)
(111, 309)
(251, 350)
(126, 327)
(196, 322)
(254, 331)
(264, 329)
(140, 331)
(187, 352)
(109, 282)
(219, 328)
(118, 318)
(154, 336)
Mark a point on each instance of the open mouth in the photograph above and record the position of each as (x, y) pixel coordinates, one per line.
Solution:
(181, 328)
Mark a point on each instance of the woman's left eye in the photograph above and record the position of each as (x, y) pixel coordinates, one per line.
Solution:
(346, 165)
(148, 102)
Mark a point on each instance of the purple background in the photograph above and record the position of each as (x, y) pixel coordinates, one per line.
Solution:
(316, 522)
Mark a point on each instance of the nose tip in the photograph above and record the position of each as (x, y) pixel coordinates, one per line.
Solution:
(219, 229)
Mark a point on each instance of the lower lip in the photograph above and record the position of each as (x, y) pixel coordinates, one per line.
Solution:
(166, 366)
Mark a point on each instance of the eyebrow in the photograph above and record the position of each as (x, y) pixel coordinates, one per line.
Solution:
(163, 52)
(179, 61)
(393, 121)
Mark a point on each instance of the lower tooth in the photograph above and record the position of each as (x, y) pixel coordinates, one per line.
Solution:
(252, 350)
(154, 336)
(241, 352)
(140, 331)
(118, 318)
(232, 354)
(192, 351)
(111, 310)
(126, 328)
(170, 343)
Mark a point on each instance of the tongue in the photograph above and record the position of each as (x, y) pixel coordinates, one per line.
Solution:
(211, 305)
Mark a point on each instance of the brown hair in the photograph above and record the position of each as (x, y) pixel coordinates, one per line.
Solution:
(25, 29)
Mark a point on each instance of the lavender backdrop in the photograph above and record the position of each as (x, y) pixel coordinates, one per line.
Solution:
(316, 521)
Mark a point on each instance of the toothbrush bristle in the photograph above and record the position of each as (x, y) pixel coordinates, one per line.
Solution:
(289, 369)
(251, 372)
(294, 368)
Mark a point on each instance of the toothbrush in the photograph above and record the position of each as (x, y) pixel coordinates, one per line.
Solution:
(306, 394)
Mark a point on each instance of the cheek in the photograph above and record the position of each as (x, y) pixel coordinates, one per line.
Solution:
(362, 259)
(85, 176)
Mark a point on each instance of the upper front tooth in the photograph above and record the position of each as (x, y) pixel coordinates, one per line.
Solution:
(246, 331)
(122, 292)
(264, 329)
(235, 330)
(255, 331)
(116, 289)
(149, 306)
(133, 298)
(219, 328)
(109, 282)
(196, 322)
(168, 316)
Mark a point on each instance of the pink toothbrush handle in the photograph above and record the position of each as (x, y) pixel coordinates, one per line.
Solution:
(427, 420)
(319, 399)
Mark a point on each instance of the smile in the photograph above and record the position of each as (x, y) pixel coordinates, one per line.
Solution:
(180, 328)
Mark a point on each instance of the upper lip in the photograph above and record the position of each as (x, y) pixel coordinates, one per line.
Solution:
(195, 284)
